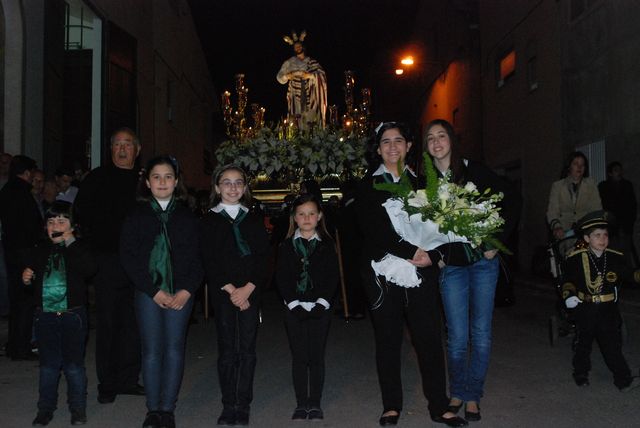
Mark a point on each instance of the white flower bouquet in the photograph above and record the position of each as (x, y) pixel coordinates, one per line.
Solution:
(443, 212)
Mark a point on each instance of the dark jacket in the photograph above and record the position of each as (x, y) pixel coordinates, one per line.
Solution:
(80, 266)
(139, 231)
(323, 270)
(105, 198)
(22, 225)
(221, 258)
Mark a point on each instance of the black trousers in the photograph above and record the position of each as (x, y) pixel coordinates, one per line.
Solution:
(22, 306)
(237, 334)
(600, 322)
(308, 340)
(420, 308)
(118, 352)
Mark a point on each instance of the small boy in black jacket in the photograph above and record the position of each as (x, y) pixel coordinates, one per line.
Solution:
(307, 278)
(57, 271)
(592, 277)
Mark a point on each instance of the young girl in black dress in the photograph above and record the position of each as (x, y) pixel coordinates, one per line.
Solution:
(159, 252)
(307, 278)
(235, 248)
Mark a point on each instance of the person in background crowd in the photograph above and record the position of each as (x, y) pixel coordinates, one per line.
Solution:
(21, 228)
(571, 198)
(619, 200)
(160, 253)
(37, 187)
(235, 247)
(66, 191)
(49, 193)
(5, 161)
(107, 194)
(57, 270)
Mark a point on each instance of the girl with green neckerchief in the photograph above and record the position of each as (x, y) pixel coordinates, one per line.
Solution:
(159, 252)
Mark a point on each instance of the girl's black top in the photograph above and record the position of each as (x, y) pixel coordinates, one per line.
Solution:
(79, 263)
(221, 258)
(139, 231)
(323, 269)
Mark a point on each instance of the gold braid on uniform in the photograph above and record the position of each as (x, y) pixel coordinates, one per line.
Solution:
(594, 286)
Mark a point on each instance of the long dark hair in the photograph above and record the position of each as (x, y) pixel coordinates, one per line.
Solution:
(216, 198)
(321, 229)
(567, 164)
(144, 193)
(457, 165)
(372, 157)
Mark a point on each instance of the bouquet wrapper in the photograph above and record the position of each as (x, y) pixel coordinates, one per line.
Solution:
(423, 234)
(397, 270)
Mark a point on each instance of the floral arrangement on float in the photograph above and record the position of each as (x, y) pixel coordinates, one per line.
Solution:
(443, 212)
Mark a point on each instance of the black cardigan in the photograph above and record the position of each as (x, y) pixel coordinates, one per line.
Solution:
(323, 269)
(80, 266)
(136, 242)
(220, 255)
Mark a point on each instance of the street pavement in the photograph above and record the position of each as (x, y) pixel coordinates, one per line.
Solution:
(529, 382)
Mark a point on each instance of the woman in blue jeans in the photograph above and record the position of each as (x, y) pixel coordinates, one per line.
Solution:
(468, 276)
(160, 253)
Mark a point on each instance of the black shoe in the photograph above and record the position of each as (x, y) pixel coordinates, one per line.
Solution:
(42, 419)
(152, 420)
(455, 421)
(581, 380)
(299, 414)
(136, 389)
(242, 417)
(316, 414)
(472, 416)
(227, 417)
(78, 417)
(106, 397)
(454, 408)
(167, 420)
(635, 382)
(389, 420)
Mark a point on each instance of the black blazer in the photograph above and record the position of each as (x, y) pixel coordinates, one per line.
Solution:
(221, 258)
(136, 242)
(323, 269)
(80, 266)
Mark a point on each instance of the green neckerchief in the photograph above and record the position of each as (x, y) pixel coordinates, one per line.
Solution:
(304, 250)
(241, 243)
(54, 281)
(160, 258)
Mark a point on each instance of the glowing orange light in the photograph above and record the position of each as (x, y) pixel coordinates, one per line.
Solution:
(399, 71)
(407, 60)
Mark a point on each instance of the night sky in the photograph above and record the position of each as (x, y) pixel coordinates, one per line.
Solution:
(245, 36)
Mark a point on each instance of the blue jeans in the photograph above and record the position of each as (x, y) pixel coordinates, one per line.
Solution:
(467, 296)
(61, 345)
(163, 335)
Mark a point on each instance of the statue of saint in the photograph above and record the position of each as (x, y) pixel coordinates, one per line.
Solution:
(307, 92)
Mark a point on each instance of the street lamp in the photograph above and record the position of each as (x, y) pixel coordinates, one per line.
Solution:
(407, 60)
(399, 71)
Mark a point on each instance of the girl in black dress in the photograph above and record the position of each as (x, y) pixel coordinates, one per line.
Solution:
(235, 250)
(307, 278)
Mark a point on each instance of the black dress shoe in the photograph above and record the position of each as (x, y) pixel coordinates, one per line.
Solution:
(242, 417)
(299, 414)
(106, 397)
(454, 408)
(227, 417)
(316, 414)
(389, 420)
(581, 380)
(472, 416)
(167, 420)
(152, 420)
(455, 421)
(78, 417)
(42, 419)
(136, 389)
